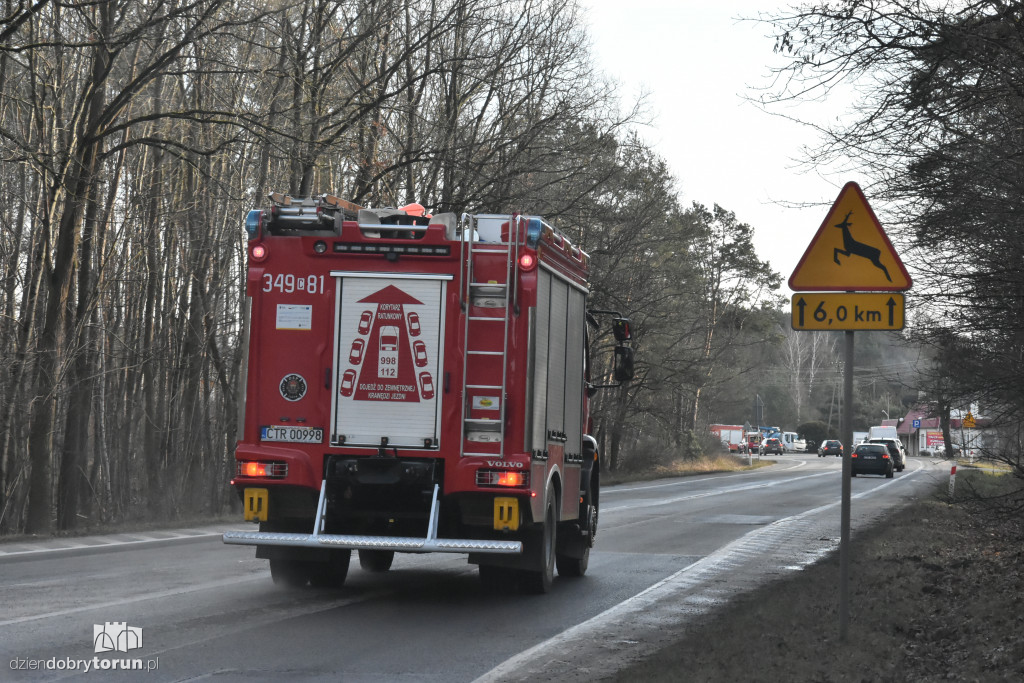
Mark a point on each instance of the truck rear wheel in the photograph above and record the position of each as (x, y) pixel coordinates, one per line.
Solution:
(330, 574)
(376, 561)
(569, 565)
(320, 574)
(290, 573)
(541, 579)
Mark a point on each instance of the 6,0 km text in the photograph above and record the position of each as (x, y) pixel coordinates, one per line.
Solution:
(848, 311)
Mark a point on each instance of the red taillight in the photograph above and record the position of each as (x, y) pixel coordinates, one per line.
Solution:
(527, 262)
(511, 479)
(885, 457)
(259, 253)
(254, 469)
(503, 478)
(271, 470)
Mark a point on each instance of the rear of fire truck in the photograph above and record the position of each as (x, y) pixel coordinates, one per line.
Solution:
(416, 384)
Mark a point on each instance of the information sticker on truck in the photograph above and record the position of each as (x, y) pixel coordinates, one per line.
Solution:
(292, 434)
(293, 317)
(486, 403)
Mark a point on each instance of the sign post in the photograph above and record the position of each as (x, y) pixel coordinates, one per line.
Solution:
(852, 255)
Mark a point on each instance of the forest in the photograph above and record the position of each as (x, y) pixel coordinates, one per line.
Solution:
(136, 134)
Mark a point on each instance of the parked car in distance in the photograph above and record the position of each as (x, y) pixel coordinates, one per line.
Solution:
(899, 458)
(773, 446)
(830, 447)
(871, 458)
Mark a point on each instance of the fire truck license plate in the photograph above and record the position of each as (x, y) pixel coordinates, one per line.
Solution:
(292, 434)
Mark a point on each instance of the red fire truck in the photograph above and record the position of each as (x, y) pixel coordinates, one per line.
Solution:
(417, 383)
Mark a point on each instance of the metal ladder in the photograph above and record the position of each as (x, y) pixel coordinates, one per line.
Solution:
(490, 294)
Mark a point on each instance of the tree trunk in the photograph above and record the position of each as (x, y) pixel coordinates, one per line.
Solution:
(71, 475)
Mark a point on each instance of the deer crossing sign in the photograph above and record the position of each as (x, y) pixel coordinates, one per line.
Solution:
(850, 252)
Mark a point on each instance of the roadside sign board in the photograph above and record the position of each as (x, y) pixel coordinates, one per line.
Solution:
(850, 252)
(848, 311)
(969, 422)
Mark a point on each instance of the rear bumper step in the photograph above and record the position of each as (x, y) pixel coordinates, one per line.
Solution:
(397, 543)
(430, 544)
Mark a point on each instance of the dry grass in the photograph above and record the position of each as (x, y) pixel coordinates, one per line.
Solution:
(708, 464)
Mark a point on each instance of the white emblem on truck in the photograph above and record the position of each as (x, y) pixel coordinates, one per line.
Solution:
(293, 387)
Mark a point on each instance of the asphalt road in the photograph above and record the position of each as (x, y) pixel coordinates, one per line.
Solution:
(667, 551)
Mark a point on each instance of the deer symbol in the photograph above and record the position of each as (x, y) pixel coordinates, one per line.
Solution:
(852, 247)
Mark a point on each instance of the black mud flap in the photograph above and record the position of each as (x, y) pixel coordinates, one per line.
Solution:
(571, 541)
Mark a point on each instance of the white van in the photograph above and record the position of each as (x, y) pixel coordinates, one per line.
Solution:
(882, 433)
(793, 443)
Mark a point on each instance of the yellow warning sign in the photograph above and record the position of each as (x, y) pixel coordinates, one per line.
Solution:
(850, 252)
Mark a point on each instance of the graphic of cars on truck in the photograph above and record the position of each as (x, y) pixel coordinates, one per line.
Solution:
(365, 319)
(419, 353)
(387, 354)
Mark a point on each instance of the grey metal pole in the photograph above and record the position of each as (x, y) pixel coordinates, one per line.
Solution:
(844, 539)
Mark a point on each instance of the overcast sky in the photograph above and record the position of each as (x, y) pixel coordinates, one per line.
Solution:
(698, 62)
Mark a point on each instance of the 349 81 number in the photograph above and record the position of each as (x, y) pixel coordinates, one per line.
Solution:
(289, 283)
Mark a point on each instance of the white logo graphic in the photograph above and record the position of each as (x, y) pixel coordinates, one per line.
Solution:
(116, 636)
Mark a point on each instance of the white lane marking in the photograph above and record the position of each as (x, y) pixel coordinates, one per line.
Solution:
(634, 504)
(261, 576)
(682, 481)
(139, 598)
(105, 544)
(647, 597)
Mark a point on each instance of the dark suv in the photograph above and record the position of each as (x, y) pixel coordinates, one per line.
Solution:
(895, 452)
(830, 447)
(871, 458)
